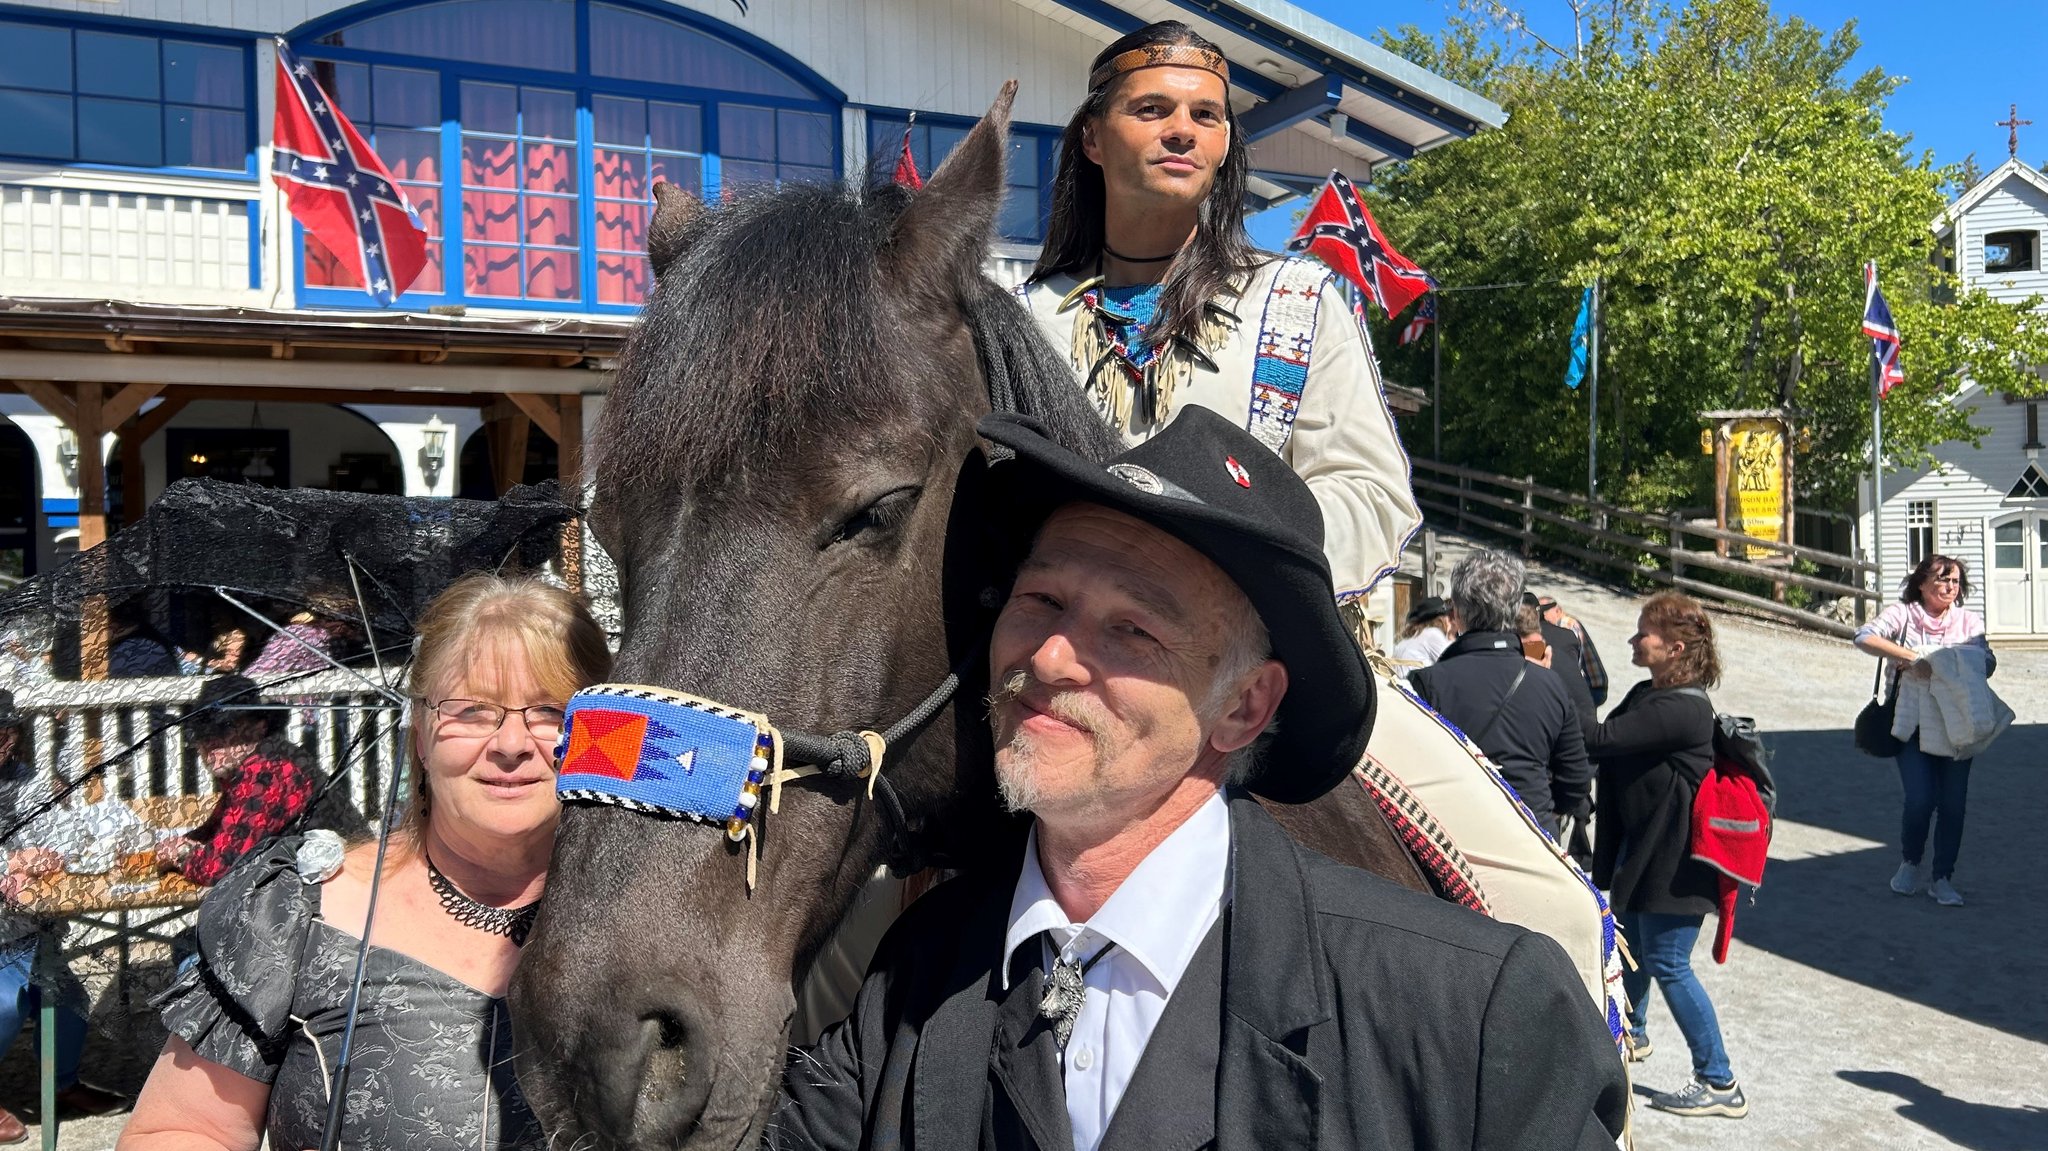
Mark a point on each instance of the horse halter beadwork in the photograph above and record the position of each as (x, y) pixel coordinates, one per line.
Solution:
(679, 756)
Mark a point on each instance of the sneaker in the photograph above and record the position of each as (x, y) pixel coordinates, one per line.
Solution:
(1638, 1047)
(1906, 880)
(1700, 1098)
(1945, 893)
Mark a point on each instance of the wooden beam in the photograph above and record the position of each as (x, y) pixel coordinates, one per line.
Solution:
(569, 447)
(152, 421)
(282, 351)
(541, 410)
(330, 395)
(508, 451)
(125, 403)
(92, 466)
(53, 401)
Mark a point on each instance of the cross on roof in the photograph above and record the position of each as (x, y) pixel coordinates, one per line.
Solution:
(2012, 125)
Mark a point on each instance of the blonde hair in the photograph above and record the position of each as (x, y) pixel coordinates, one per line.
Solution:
(469, 625)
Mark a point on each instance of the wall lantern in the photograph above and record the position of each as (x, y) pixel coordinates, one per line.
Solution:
(67, 455)
(433, 451)
(1340, 124)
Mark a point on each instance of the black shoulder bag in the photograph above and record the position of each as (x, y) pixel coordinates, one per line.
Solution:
(1874, 723)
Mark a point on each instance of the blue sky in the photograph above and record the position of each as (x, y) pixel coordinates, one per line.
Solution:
(1965, 62)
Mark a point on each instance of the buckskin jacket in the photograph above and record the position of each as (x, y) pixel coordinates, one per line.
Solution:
(1340, 437)
(1327, 1009)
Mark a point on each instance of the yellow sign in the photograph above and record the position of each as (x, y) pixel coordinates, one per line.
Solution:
(1706, 441)
(1756, 479)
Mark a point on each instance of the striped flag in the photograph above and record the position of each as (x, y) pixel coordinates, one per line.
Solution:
(1883, 333)
(1340, 231)
(1423, 318)
(338, 188)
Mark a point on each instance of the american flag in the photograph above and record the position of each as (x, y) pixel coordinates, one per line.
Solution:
(1340, 231)
(1424, 316)
(338, 188)
(1883, 333)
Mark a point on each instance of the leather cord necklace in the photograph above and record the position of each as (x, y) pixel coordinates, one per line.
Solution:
(1066, 990)
(512, 922)
(1107, 250)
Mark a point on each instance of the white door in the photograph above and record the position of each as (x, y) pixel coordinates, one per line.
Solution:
(2019, 559)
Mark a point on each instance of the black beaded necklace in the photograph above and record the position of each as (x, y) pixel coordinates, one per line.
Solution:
(511, 922)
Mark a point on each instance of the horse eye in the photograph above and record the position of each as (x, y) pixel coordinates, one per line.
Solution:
(885, 514)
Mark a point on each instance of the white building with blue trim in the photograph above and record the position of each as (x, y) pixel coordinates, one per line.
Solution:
(157, 299)
(1987, 504)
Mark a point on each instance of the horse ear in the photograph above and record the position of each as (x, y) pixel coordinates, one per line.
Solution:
(943, 235)
(676, 216)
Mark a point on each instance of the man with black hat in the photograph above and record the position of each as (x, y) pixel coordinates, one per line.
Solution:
(1163, 967)
(1150, 283)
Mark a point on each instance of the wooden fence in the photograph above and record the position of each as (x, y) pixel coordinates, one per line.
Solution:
(1551, 521)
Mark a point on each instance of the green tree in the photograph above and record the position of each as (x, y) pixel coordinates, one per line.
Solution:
(1725, 179)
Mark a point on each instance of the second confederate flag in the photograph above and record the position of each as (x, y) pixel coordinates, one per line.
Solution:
(1340, 231)
(339, 189)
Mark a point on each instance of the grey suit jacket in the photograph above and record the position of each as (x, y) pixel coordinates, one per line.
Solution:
(1328, 1009)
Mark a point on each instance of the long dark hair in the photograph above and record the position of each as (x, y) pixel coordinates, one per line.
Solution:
(1221, 247)
(1930, 567)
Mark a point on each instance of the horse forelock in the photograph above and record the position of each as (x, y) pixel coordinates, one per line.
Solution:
(773, 330)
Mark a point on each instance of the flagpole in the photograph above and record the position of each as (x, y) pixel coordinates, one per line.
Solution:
(1876, 454)
(1593, 396)
(1436, 383)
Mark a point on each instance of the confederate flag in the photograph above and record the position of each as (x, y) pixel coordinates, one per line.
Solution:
(1339, 231)
(338, 188)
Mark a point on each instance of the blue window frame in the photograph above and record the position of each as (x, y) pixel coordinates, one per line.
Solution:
(125, 96)
(1034, 156)
(530, 134)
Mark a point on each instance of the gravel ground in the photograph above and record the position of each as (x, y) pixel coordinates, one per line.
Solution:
(1855, 1018)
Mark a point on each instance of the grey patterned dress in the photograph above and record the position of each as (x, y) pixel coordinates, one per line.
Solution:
(267, 998)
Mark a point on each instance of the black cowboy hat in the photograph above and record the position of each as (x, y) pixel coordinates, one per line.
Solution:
(1427, 608)
(221, 705)
(1210, 484)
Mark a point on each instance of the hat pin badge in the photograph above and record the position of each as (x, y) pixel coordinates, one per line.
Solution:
(1138, 477)
(1237, 472)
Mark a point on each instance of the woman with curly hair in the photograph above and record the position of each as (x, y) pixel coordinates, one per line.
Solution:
(1653, 750)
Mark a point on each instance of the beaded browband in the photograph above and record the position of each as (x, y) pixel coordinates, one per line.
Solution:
(1160, 56)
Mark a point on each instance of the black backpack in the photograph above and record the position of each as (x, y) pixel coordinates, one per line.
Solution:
(1739, 750)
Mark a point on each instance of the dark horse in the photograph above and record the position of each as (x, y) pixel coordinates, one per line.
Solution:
(790, 483)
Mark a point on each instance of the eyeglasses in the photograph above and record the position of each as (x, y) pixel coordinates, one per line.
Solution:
(476, 717)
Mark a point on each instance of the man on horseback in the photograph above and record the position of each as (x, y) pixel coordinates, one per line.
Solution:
(1164, 966)
(1150, 281)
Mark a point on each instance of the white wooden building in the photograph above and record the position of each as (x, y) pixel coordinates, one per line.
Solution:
(156, 298)
(1986, 505)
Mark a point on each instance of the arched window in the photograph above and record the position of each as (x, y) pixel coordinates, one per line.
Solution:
(530, 135)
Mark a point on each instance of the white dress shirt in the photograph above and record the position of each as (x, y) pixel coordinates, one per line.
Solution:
(1157, 918)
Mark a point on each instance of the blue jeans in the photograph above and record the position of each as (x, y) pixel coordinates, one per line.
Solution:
(1662, 946)
(19, 998)
(1937, 790)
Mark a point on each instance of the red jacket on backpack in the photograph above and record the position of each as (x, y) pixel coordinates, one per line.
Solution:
(1731, 833)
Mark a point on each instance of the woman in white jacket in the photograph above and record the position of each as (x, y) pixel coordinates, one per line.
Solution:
(1929, 615)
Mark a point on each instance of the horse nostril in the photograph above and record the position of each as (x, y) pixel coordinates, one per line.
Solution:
(670, 1032)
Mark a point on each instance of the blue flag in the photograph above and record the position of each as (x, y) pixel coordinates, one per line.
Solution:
(1582, 338)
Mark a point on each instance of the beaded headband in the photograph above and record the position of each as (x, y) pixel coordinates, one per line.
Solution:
(1160, 56)
(666, 753)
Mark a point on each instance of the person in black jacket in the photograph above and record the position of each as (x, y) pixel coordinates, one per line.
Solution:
(1567, 660)
(1163, 967)
(1653, 751)
(1590, 664)
(1519, 713)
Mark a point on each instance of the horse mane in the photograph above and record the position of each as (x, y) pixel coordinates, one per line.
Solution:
(787, 287)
